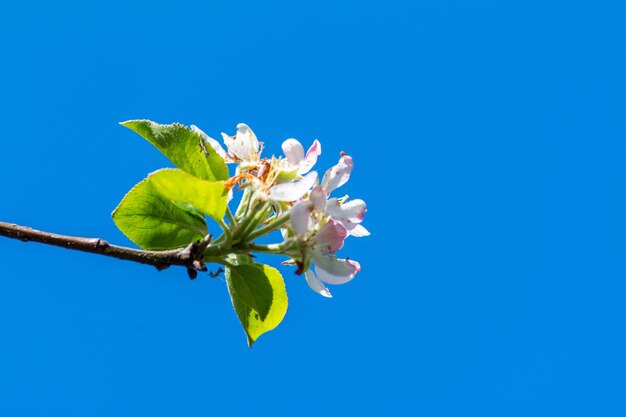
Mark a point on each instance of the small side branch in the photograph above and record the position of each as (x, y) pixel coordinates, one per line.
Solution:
(189, 257)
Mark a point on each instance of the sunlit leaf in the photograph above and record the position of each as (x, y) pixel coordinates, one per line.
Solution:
(207, 196)
(259, 296)
(183, 147)
(154, 222)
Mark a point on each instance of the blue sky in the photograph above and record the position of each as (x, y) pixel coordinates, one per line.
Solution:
(489, 143)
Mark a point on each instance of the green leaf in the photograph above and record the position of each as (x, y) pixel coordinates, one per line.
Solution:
(207, 196)
(153, 222)
(183, 147)
(259, 296)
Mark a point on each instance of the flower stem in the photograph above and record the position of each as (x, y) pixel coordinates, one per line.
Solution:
(243, 204)
(228, 235)
(273, 248)
(229, 214)
(270, 227)
(262, 212)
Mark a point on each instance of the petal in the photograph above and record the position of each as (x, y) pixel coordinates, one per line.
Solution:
(318, 198)
(350, 212)
(295, 190)
(249, 139)
(338, 175)
(293, 150)
(244, 145)
(316, 285)
(230, 143)
(332, 270)
(358, 231)
(311, 157)
(300, 216)
(330, 237)
(212, 142)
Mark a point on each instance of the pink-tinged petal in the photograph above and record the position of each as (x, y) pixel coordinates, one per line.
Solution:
(352, 211)
(338, 175)
(311, 157)
(330, 237)
(332, 270)
(293, 150)
(358, 231)
(295, 190)
(316, 285)
(318, 198)
(300, 216)
(211, 142)
(244, 145)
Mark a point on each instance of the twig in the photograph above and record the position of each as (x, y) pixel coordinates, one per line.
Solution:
(189, 257)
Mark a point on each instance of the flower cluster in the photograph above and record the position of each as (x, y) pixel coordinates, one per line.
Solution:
(284, 193)
(172, 209)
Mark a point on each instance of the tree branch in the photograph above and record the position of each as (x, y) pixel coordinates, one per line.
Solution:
(189, 257)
